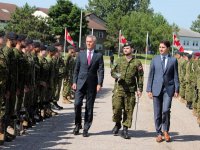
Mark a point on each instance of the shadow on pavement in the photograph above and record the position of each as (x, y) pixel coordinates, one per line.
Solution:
(46, 135)
(104, 92)
(186, 138)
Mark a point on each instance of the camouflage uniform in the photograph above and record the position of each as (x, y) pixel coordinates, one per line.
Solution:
(198, 92)
(21, 65)
(68, 75)
(59, 69)
(182, 71)
(3, 79)
(190, 83)
(123, 99)
(44, 78)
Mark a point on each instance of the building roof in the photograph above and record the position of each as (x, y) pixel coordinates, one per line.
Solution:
(6, 10)
(95, 22)
(44, 10)
(188, 33)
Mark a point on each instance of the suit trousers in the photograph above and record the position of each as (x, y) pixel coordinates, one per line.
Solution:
(90, 94)
(162, 106)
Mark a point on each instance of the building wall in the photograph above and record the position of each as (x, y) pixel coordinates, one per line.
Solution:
(190, 43)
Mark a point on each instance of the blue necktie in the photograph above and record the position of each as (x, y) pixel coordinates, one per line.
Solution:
(163, 62)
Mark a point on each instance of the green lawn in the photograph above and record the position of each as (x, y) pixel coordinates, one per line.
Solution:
(141, 57)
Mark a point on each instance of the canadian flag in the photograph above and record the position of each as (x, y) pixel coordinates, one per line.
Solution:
(122, 39)
(177, 43)
(69, 38)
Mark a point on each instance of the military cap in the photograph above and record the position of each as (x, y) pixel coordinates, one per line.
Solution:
(11, 36)
(36, 45)
(2, 33)
(28, 41)
(197, 54)
(128, 43)
(51, 48)
(21, 37)
(57, 44)
(43, 47)
(70, 47)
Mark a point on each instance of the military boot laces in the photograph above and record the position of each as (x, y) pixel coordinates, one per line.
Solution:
(116, 128)
(124, 133)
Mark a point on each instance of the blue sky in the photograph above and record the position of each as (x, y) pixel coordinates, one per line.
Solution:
(181, 12)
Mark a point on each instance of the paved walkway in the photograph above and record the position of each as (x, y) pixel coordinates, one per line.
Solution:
(56, 132)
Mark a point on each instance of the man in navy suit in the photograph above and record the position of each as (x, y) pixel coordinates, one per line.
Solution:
(87, 81)
(163, 84)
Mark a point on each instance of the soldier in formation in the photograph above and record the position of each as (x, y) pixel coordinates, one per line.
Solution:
(189, 69)
(30, 83)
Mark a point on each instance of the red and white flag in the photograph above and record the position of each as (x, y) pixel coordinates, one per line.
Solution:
(68, 38)
(122, 39)
(177, 43)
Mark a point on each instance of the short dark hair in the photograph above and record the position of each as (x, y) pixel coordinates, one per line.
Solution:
(166, 43)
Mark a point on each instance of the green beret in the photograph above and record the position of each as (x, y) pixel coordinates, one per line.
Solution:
(51, 48)
(21, 37)
(11, 36)
(70, 47)
(43, 47)
(128, 43)
(36, 45)
(57, 44)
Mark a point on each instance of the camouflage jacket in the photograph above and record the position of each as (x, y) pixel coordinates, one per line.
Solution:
(127, 74)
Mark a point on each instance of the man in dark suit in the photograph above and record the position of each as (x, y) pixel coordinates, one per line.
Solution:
(87, 81)
(163, 84)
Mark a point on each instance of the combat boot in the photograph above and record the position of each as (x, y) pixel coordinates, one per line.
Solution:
(194, 112)
(198, 120)
(124, 133)
(2, 135)
(66, 101)
(116, 128)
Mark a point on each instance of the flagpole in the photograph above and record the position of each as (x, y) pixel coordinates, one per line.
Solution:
(92, 31)
(146, 50)
(119, 42)
(65, 43)
(80, 29)
(173, 44)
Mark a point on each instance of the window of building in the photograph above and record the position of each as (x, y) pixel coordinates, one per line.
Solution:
(184, 42)
(99, 47)
(100, 34)
(188, 43)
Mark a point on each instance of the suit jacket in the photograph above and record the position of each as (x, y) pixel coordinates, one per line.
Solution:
(93, 73)
(159, 77)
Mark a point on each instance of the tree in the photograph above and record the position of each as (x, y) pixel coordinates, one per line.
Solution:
(24, 22)
(136, 25)
(103, 8)
(66, 14)
(196, 25)
(113, 11)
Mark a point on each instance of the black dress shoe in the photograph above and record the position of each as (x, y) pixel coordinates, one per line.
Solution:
(116, 128)
(85, 133)
(124, 133)
(76, 129)
(58, 106)
(54, 106)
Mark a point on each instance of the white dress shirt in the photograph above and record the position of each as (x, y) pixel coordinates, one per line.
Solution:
(166, 59)
(92, 52)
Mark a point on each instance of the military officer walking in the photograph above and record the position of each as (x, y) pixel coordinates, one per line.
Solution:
(128, 74)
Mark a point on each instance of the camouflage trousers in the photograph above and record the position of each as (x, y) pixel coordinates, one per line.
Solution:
(198, 103)
(67, 88)
(123, 104)
(182, 90)
(189, 92)
(2, 109)
(195, 98)
(57, 90)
